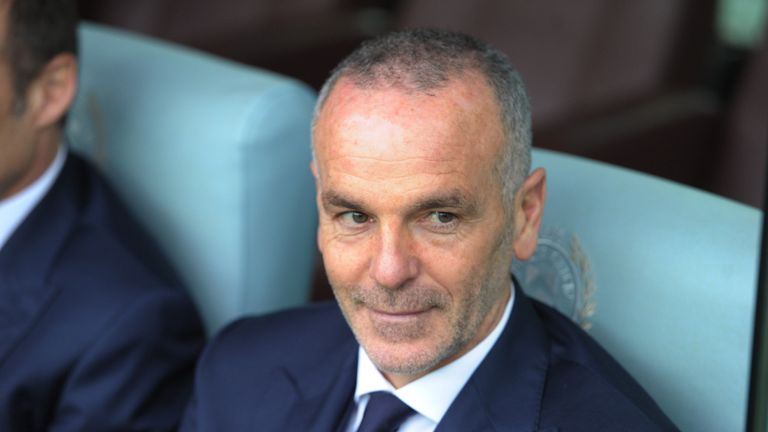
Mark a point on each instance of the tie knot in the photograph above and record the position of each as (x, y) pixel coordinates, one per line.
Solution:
(384, 413)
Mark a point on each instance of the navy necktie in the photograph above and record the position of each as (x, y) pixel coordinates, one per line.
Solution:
(384, 413)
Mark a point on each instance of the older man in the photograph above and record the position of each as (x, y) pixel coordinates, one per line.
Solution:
(422, 155)
(95, 334)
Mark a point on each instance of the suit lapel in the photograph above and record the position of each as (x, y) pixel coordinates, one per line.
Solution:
(27, 259)
(326, 391)
(505, 391)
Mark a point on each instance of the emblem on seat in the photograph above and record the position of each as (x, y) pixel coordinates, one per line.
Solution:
(559, 274)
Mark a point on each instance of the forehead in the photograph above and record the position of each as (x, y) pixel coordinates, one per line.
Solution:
(459, 122)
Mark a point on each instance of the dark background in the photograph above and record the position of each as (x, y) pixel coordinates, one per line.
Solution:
(674, 88)
(667, 87)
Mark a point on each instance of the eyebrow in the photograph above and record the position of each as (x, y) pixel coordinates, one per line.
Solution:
(334, 199)
(454, 199)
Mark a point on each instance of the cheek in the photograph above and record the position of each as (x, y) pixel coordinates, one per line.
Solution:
(345, 263)
(463, 267)
(453, 268)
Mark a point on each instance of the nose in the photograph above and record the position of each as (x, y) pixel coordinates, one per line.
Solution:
(393, 263)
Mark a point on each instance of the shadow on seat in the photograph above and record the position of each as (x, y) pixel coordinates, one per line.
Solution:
(213, 157)
(664, 277)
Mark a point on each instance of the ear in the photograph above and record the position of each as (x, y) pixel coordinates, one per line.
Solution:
(318, 238)
(51, 94)
(316, 174)
(528, 209)
(313, 168)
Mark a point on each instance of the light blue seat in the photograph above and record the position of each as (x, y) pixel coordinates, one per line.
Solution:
(668, 274)
(213, 157)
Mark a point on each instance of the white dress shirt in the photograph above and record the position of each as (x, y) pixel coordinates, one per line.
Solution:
(431, 395)
(14, 209)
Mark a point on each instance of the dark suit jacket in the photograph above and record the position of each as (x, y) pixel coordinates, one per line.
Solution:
(95, 335)
(296, 371)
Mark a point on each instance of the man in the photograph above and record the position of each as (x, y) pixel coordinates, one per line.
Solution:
(422, 142)
(94, 334)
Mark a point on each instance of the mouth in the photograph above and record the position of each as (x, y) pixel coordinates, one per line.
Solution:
(393, 325)
(397, 315)
(405, 312)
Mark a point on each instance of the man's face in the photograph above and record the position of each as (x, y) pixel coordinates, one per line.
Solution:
(413, 232)
(16, 129)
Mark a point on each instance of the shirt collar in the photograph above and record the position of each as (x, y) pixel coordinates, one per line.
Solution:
(14, 209)
(432, 394)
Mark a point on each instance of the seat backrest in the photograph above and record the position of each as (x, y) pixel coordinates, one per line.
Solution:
(213, 157)
(663, 275)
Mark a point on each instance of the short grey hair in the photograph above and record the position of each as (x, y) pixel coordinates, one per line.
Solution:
(426, 59)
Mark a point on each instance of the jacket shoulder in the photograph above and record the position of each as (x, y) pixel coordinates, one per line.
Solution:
(270, 370)
(587, 386)
(287, 338)
(105, 239)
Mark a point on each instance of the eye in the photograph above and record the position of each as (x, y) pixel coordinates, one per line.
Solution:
(354, 218)
(352, 223)
(442, 222)
(442, 217)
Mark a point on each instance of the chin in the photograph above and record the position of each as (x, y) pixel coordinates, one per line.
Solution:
(405, 359)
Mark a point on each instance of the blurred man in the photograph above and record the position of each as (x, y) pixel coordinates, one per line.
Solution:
(94, 335)
(422, 155)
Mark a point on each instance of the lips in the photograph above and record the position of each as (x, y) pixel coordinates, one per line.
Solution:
(398, 313)
(397, 316)
(397, 326)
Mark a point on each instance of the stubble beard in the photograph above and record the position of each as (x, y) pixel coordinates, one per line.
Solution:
(464, 320)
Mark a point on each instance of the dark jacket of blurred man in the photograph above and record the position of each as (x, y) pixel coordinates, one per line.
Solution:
(94, 334)
(421, 145)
